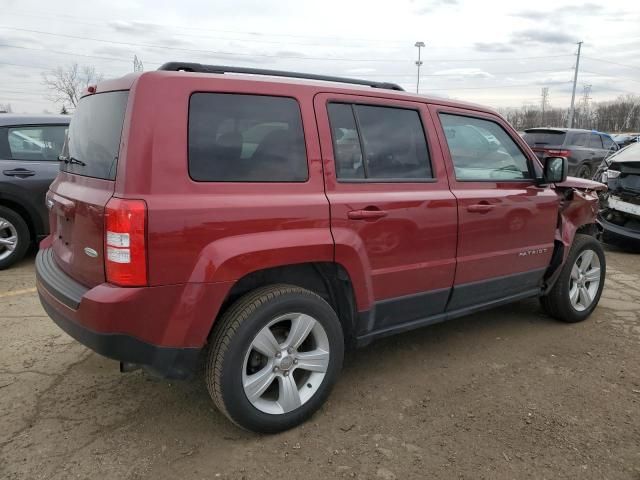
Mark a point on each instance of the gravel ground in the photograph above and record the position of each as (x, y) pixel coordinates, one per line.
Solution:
(504, 394)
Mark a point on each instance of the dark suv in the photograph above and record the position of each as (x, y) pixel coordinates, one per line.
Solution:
(584, 149)
(29, 150)
(265, 223)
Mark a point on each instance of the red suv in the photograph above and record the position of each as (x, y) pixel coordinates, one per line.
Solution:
(266, 222)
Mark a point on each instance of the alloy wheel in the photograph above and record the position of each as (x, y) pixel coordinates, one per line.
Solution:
(286, 363)
(8, 238)
(585, 280)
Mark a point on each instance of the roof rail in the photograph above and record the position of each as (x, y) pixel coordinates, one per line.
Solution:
(200, 68)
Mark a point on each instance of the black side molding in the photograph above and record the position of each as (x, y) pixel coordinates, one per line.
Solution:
(58, 283)
(200, 68)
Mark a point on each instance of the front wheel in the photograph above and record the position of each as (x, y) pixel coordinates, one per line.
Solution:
(577, 291)
(275, 355)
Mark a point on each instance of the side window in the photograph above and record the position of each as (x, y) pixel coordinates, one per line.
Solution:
(595, 141)
(608, 142)
(42, 143)
(246, 138)
(384, 143)
(581, 139)
(483, 150)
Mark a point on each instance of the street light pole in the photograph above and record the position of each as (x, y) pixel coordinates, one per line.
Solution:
(573, 94)
(419, 64)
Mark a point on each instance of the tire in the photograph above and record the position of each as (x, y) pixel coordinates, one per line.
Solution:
(558, 303)
(584, 171)
(232, 358)
(12, 225)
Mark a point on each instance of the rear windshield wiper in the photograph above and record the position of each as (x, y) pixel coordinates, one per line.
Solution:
(71, 160)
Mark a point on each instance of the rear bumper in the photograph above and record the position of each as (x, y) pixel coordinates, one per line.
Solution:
(618, 231)
(163, 329)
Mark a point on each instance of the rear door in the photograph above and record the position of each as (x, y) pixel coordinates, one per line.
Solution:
(391, 208)
(29, 163)
(78, 196)
(506, 222)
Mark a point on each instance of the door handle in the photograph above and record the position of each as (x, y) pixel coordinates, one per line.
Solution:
(19, 172)
(366, 214)
(480, 208)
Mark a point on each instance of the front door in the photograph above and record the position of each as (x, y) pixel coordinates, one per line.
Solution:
(506, 221)
(391, 208)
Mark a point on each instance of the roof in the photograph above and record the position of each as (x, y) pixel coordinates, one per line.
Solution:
(127, 82)
(18, 119)
(563, 130)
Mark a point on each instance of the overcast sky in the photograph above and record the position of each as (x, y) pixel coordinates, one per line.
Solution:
(491, 52)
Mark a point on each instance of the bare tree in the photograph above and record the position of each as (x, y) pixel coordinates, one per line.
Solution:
(5, 108)
(66, 84)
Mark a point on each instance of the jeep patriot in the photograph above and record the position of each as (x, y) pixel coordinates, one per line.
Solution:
(263, 221)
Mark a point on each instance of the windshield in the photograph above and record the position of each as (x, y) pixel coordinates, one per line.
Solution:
(94, 135)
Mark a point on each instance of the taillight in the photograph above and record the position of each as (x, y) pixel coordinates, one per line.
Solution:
(125, 242)
(558, 153)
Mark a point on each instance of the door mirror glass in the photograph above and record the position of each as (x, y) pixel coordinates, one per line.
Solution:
(555, 170)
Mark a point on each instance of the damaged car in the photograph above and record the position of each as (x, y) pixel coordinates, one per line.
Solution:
(620, 204)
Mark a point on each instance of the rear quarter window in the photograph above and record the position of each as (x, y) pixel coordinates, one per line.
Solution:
(246, 138)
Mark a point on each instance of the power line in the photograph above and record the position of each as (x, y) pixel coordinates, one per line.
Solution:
(123, 60)
(298, 57)
(613, 63)
(183, 27)
(340, 41)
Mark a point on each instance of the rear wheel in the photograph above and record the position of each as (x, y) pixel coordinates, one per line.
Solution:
(577, 291)
(584, 171)
(14, 237)
(275, 355)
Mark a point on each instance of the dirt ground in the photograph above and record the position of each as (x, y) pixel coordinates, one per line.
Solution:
(504, 394)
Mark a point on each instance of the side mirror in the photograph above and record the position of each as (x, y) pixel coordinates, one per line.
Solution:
(556, 170)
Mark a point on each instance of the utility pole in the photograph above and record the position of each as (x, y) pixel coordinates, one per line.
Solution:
(419, 64)
(575, 82)
(586, 96)
(544, 101)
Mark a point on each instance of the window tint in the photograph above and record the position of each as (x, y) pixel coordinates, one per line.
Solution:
(544, 137)
(608, 142)
(35, 143)
(392, 139)
(482, 150)
(595, 141)
(94, 135)
(346, 143)
(581, 139)
(245, 138)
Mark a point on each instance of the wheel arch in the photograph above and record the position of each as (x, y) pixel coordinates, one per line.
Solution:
(328, 279)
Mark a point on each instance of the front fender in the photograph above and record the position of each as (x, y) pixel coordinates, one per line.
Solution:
(576, 212)
(231, 258)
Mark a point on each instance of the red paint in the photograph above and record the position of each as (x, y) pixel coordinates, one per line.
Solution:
(203, 237)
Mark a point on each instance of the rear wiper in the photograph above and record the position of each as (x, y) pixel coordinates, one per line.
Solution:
(71, 160)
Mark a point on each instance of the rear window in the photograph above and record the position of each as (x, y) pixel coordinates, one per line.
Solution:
(544, 137)
(245, 138)
(94, 135)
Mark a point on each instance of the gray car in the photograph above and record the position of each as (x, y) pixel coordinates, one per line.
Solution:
(583, 149)
(29, 150)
